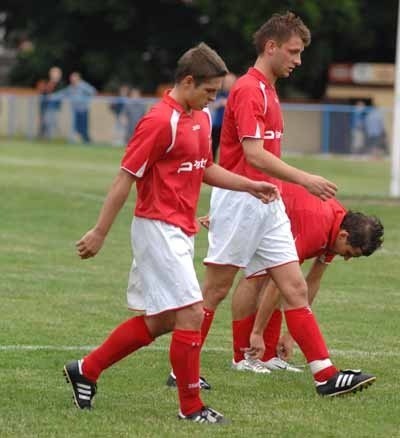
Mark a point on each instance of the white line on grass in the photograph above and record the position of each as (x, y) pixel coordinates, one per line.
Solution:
(334, 352)
(64, 165)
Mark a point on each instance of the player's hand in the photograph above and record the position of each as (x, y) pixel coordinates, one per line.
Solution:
(204, 221)
(90, 244)
(320, 187)
(285, 347)
(265, 191)
(257, 347)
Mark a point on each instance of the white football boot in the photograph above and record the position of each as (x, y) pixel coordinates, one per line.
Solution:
(253, 365)
(277, 364)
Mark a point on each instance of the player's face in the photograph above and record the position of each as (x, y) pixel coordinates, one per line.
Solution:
(343, 248)
(198, 97)
(286, 57)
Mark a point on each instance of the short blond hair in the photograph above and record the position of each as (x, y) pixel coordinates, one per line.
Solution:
(281, 28)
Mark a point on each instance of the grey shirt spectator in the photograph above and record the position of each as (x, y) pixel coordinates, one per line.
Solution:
(78, 92)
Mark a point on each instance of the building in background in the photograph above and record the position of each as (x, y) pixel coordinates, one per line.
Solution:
(368, 90)
(366, 81)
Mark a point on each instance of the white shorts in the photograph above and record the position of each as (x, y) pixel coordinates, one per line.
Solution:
(162, 275)
(248, 234)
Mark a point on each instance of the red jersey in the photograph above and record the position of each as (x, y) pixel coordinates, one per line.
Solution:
(168, 154)
(252, 111)
(315, 223)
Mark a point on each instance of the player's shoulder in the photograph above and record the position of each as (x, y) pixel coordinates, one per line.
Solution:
(245, 88)
(161, 110)
(246, 82)
(160, 115)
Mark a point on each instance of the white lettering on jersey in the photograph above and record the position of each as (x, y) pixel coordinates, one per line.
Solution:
(270, 135)
(188, 166)
(195, 127)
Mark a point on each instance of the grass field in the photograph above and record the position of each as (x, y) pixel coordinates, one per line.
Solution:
(54, 307)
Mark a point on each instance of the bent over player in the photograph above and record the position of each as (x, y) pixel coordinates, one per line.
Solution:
(321, 230)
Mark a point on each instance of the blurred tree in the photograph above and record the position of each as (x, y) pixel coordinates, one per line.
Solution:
(114, 41)
(108, 41)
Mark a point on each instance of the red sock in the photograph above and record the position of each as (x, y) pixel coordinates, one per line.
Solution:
(272, 333)
(184, 355)
(304, 329)
(241, 330)
(123, 340)
(207, 321)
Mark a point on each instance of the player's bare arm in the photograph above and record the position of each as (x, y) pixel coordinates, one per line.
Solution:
(269, 299)
(217, 176)
(314, 278)
(268, 163)
(91, 242)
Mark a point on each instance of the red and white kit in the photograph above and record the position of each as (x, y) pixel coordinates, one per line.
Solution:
(168, 154)
(253, 111)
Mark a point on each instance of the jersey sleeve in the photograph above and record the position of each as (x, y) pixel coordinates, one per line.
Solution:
(149, 143)
(249, 107)
(326, 258)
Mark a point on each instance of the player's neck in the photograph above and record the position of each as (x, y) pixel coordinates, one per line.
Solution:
(265, 70)
(176, 95)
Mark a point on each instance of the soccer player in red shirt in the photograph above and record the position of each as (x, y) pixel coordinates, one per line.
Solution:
(168, 157)
(321, 230)
(258, 238)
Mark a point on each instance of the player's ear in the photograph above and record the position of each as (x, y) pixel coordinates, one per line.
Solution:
(270, 47)
(343, 235)
(188, 80)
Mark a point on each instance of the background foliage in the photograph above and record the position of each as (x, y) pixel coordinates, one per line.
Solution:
(114, 41)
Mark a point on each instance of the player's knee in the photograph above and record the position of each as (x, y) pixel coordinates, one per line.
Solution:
(214, 293)
(190, 318)
(296, 294)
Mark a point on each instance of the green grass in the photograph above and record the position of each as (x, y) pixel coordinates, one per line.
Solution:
(51, 194)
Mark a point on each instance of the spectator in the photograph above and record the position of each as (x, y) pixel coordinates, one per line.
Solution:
(49, 107)
(375, 133)
(358, 127)
(218, 108)
(134, 110)
(78, 93)
(117, 107)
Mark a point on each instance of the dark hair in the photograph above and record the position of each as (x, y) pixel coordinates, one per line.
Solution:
(202, 63)
(365, 232)
(281, 28)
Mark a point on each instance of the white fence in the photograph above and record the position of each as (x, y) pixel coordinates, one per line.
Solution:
(309, 128)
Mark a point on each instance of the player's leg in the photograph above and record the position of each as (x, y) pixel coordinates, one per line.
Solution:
(217, 282)
(244, 307)
(300, 320)
(185, 357)
(123, 340)
(185, 361)
(304, 328)
(233, 236)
